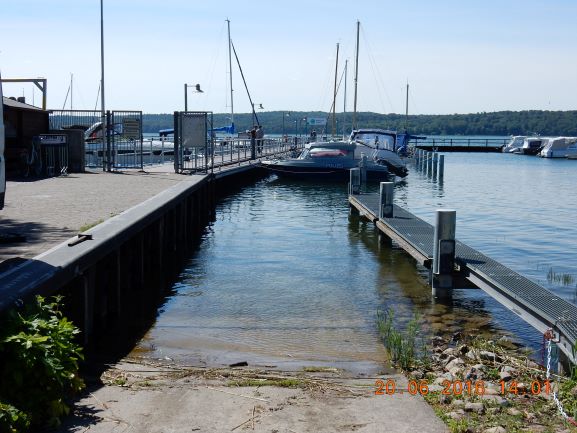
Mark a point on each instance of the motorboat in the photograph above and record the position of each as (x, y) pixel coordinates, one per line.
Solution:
(334, 159)
(560, 147)
(515, 143)
(531, 146)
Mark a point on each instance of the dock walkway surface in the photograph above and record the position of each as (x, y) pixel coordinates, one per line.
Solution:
(536, 305)
(49, 211)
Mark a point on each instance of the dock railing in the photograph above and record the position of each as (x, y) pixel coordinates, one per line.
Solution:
(464, 142)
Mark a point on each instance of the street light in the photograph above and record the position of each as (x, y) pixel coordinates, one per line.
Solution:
(197, 89)
(287, 114)
(300, 120)
(260, 107)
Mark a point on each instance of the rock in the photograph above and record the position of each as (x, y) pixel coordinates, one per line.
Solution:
(458, 403)
(418, 374)
(489, 356)
(474, 407)
(537, 428)
(455, 362)
(443, 378)
(455, 415)
(528, 415)
(476, 372)
(471, 355)
(522, 388)
(509, 369)
(497, 399)
(457, 336)
(497, 429)
(437, 341)
(463, 349)
(444, 398)
(514, 412)
(505, 375)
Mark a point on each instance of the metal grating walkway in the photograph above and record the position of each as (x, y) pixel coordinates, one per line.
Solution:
(538, 306)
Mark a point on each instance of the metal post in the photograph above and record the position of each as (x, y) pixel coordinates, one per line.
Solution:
(441, 166)
(386, 199)
(435, 164)
(355, 181)
(430, 163)
(107, 135)
(363, 167)
(185, 97)
(443, 251)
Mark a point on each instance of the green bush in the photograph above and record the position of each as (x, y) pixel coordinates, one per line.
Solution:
(38, 365)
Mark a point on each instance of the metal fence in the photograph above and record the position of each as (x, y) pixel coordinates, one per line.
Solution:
(197, 150)
(121, 147)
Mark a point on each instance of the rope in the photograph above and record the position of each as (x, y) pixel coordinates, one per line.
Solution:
(549, 337)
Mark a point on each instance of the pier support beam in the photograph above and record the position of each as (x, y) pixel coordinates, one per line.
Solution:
(443, 252)
(441, 166)
(435, 164)
(386, 199)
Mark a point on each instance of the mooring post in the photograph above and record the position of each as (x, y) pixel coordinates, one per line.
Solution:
(419, 159)
(386, 199)
(441, 166)
(443, 252)
(430, 163)
(435, 163)
(355, 181)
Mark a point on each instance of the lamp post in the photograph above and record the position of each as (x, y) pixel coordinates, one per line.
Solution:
(284, 114)
(197, 89)
(300, 120)
(260, 107)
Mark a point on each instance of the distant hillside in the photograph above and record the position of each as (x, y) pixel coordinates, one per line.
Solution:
(497, 123)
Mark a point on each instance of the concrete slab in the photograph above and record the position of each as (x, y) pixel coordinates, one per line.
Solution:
(207, 401)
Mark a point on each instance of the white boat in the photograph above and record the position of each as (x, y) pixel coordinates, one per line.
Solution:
(531, 146)
(333, 159)
(515, 143)
(560, 147)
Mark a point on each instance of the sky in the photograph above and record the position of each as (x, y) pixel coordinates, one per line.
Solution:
(457, 56)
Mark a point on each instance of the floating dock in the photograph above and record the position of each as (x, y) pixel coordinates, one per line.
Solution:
(539, 307)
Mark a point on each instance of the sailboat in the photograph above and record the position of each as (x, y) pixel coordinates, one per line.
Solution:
(376, 149)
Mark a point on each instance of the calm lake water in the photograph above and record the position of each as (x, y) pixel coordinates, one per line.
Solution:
(286, 277)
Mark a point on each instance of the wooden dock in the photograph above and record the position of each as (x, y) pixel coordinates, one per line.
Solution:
(539, 307)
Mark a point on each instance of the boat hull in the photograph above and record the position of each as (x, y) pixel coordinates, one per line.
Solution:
(328, 173)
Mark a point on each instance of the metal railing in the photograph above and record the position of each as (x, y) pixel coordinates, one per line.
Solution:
(459, 142)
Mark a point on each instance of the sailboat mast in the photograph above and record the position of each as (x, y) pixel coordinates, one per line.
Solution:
(356, 77)
(345, 99)
(71, 91)
(230, 74)
(334, 131)
(407, 110)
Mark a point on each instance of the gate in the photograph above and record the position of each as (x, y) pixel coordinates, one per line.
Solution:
(193, 142)
(121, 147)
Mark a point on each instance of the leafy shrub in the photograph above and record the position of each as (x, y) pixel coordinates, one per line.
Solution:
(38, 365)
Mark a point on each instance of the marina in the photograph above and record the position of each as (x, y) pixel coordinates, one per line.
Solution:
(217, 239)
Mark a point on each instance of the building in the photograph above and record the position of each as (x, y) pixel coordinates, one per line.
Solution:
(22, 122)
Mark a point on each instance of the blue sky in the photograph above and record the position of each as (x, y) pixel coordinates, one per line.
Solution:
(458, 57)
